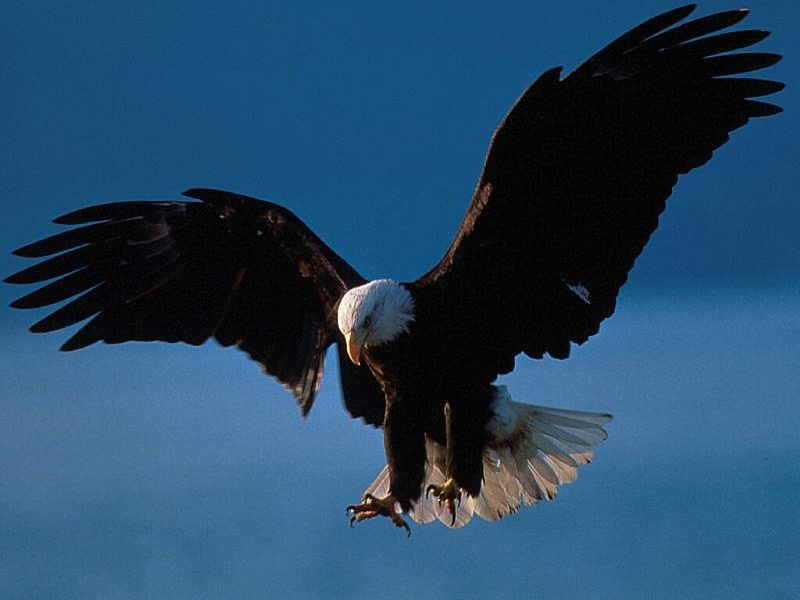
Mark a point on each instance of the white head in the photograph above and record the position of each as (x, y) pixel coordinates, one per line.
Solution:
(373, 314)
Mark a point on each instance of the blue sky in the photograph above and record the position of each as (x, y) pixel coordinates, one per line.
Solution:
(150, 470)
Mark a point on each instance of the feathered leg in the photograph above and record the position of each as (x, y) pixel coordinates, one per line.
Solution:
(404, 440)
(465, 427)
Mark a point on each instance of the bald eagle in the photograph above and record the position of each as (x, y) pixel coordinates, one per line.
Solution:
(574, 182)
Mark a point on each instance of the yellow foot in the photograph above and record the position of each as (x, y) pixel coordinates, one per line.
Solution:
(374, 507)
(448, 494)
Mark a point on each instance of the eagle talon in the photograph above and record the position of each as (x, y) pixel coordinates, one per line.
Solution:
(447, 494)
(373, 507)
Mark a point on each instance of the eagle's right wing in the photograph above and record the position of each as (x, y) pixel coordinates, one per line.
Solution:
(247, 272)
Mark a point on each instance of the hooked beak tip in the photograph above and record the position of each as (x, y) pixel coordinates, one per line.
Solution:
(353, 349)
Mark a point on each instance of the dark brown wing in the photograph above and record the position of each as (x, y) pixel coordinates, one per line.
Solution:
(247, 272)
(577, 175)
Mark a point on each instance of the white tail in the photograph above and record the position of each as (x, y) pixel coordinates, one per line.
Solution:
(541, 452)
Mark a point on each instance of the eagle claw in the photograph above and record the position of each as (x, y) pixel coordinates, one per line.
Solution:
(372, 507)
(448, 494)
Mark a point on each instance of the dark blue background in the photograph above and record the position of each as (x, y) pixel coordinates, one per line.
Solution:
(158, 471)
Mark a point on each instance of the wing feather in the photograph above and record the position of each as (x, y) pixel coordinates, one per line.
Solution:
(576, 177)
(247, 272)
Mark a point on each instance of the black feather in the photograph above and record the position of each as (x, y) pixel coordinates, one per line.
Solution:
(67, 240)
(117, 211)
(65, 263)
(735, 64)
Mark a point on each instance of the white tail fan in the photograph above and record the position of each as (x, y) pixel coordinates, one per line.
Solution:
(542, 452)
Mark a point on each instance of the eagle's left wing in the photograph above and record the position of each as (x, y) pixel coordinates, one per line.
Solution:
(576, 177)
(247, 272)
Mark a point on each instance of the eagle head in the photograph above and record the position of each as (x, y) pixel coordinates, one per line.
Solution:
(373, 314)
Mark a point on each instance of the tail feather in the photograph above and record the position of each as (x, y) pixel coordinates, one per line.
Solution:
(530, 493)
(492, 494)
(380, 487)
(540, 453)
(546, 476)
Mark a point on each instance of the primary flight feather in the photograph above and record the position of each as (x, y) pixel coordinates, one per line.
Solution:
(574, 182)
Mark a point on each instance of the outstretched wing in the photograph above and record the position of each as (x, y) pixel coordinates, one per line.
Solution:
(577, 175)
(247, 272)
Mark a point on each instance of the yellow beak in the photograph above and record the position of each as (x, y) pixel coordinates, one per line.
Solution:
(354, 345)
